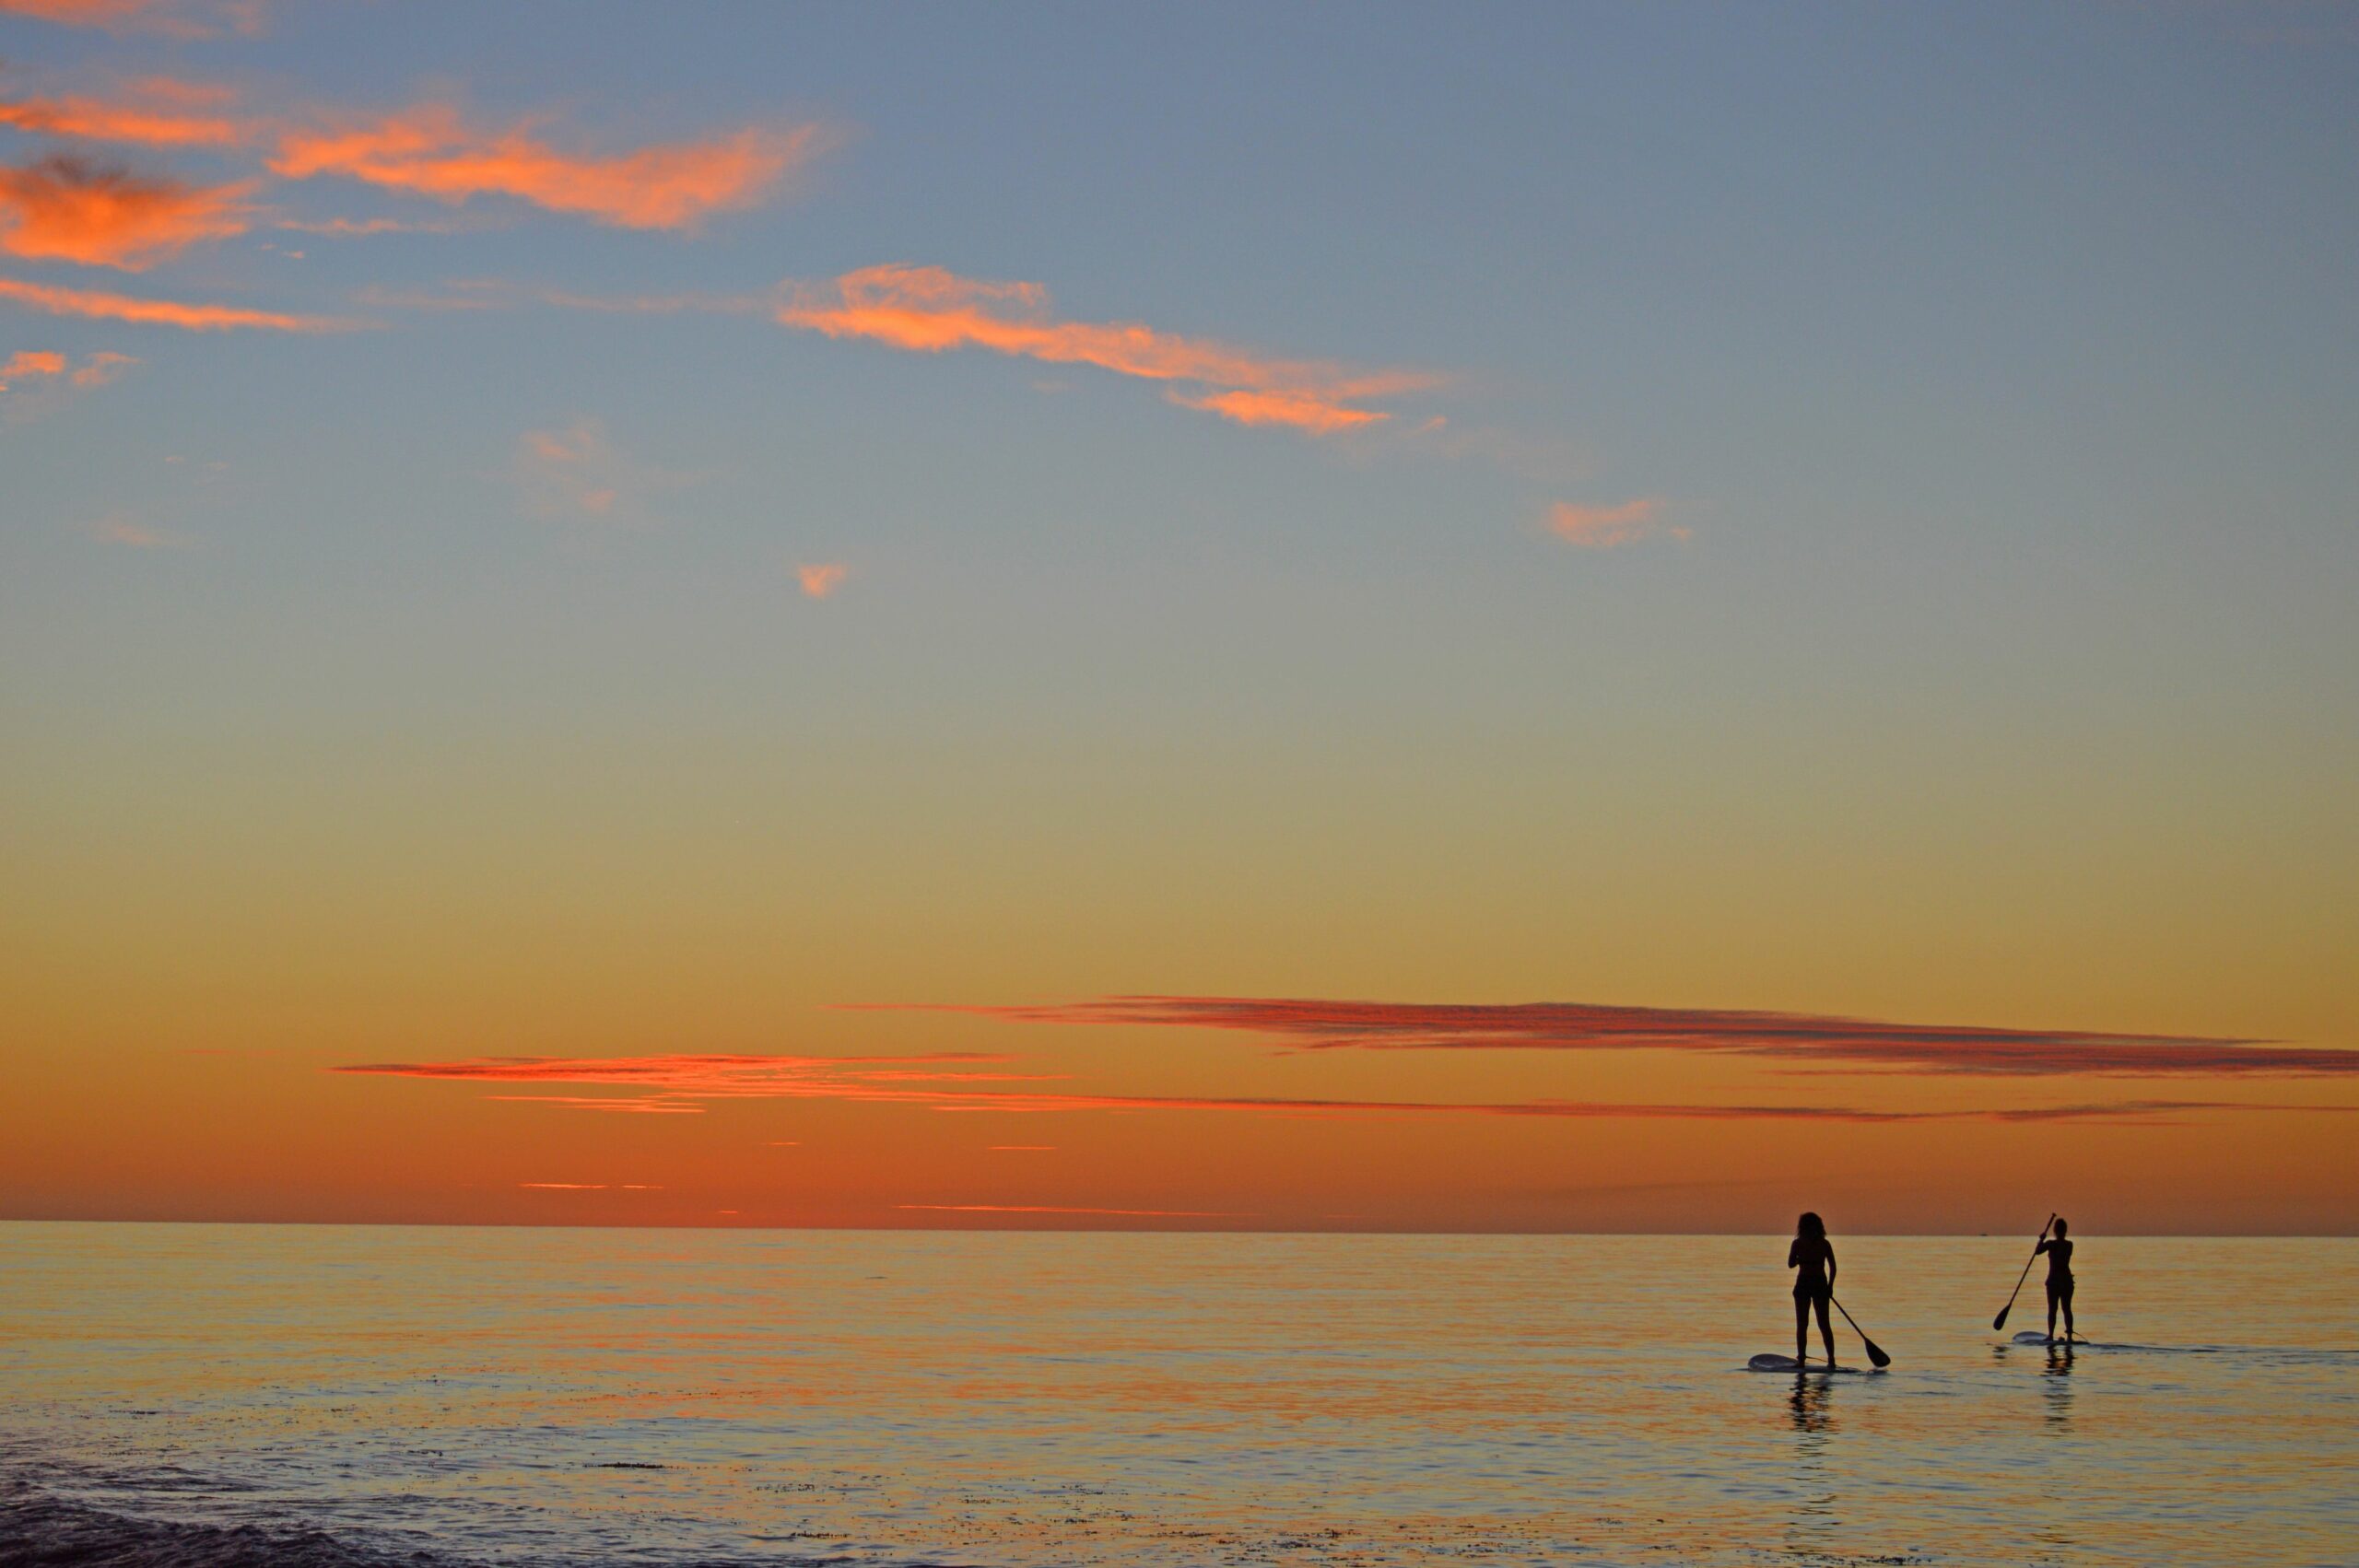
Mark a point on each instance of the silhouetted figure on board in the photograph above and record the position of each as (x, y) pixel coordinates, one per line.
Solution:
(1813, 1285)
(2059, 1279)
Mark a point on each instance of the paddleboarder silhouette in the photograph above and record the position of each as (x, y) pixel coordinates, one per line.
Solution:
(1813, 1285)
(2060, 1277)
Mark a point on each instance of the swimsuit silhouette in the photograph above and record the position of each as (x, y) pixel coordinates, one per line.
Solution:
(2060, 1277)
(1813, 1285)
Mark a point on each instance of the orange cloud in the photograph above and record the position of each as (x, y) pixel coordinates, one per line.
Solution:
(591, 1103)
(112, 14)
(171, 17)
(1602, 528)
(37, 381)
(818, 581)
(431, 151)
(172, 121)
(1067, 1209)
(669, 1084)
(33, 362)
(929, 310)
(1314, 415)
(102, 368)
(58, 302)
(68, 209)
(593, 1185)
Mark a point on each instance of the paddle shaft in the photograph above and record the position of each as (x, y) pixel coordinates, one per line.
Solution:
(2000, 1321)
(1875, 1351)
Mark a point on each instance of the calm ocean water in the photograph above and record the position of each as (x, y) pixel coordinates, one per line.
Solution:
(650, 1397)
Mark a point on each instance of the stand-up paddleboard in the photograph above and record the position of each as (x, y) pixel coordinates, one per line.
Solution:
(2034, 1337)
(1789, 1365)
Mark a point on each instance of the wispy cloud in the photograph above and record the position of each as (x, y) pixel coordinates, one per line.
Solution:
(176, 18)
(1310, 415)
(1071, 1208)
(56, 301)
(32, 362)
(102, 368)
(597, 1102)
(593, 1185)
(432, 151)
(120, 527)
(721, 1076)
(578, 472)
(1603, 528)
(35, 380)
(660, 1084)
(69, 209)
(821, 580)
(156, 112)
(362, 227)
(1325, 1025)
(931, 311)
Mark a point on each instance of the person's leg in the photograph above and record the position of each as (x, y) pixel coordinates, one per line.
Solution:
(2051, 1314)
(1826, 1328)
(1801, 1327)
(2068, 1312)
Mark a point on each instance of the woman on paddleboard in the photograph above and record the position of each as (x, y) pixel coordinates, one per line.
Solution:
(2059, 1279)
(1814, 1284)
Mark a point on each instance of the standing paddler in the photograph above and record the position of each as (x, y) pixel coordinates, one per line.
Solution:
(2060, 1277)
(1813, 1259)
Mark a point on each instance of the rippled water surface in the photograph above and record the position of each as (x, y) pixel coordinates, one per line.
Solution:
(518, 1396)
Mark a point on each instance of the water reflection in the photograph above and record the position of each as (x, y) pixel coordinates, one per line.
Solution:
(2056, 1384)
(1812, 1408)
(671, 1400)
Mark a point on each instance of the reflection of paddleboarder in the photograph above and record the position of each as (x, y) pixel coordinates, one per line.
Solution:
(2060, 1277)
(1813, 1285)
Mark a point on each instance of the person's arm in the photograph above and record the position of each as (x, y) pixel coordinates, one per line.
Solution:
(1830, 1265)
(2044, 1247)
(1794, 1254)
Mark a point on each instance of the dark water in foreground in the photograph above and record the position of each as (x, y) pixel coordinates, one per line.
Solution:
(206, 1395)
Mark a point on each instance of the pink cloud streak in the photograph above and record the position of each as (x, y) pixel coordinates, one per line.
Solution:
(1318, 1026)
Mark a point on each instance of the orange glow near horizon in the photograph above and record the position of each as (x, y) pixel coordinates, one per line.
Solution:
(611, 622)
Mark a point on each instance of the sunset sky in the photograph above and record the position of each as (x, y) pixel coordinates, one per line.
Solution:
(1470, 616)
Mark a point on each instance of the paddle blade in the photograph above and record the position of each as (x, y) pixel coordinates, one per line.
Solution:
(2000, 1321)
(1875, 1352)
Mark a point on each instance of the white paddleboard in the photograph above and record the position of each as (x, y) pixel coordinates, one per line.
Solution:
(2034, 1337)
(1788, 1365)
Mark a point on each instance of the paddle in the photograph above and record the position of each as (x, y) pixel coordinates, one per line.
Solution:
(2000, 1321)
(1875, 1351)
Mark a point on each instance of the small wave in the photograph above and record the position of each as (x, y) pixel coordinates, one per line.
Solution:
(40, 1531)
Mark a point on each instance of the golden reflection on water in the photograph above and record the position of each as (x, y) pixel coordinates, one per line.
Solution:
(1174, 1399)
